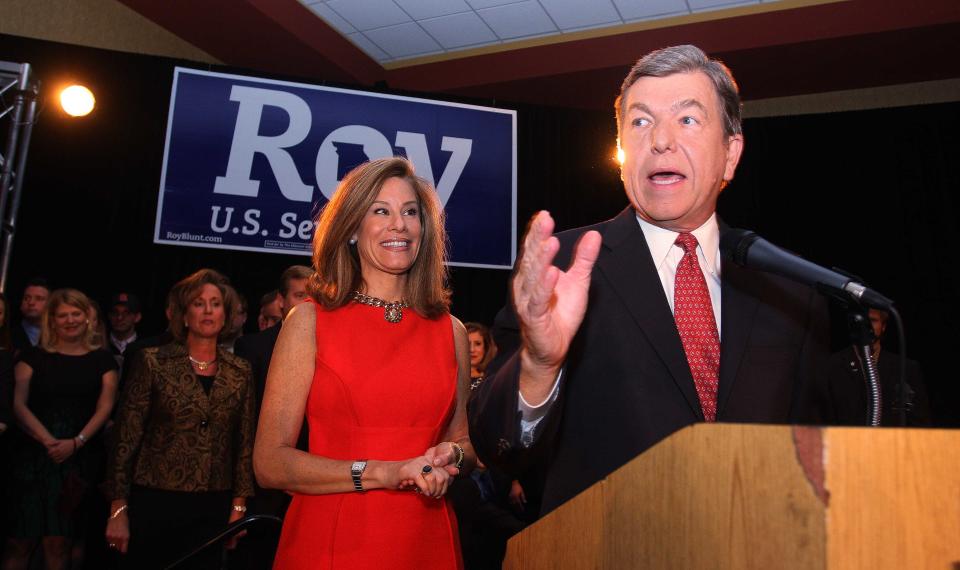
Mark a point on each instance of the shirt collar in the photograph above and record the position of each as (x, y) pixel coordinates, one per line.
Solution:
(661, 241)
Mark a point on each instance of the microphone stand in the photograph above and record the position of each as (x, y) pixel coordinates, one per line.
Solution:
(861, 335)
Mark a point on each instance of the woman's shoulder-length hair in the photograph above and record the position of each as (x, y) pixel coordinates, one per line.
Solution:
(337, 262)
(74, 298)
(187, 289)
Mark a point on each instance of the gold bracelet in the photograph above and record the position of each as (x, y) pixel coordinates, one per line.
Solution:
(460, 454)
(119, 510)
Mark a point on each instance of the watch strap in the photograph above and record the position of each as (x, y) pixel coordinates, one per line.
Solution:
(356, 471)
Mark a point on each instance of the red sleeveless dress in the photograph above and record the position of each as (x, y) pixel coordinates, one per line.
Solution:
(381, 391)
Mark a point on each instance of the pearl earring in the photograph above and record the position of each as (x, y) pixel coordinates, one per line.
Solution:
(352, 241)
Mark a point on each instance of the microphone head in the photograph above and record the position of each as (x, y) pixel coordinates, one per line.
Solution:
(734, 244)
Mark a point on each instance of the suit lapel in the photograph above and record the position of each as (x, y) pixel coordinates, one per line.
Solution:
(738, 310)
(627, 264)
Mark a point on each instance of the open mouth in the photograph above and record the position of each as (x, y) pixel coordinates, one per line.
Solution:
(399, 243)
(666, 177)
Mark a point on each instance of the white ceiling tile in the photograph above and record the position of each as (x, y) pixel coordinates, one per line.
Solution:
(404, 40)
(423, 9)
(639, 9)
(704, 5)
(369, 47)
(459, 30)
(331, 18)
(518, 20)
(369, 14)
(477, 4)
(570, 14)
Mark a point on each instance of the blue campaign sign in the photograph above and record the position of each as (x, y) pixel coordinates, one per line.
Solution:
(249, 163)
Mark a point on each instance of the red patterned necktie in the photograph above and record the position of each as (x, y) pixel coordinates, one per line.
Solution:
(693, 312)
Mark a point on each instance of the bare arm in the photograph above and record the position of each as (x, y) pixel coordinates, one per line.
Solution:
(21, 393)
(457, 431)
(108, 396)
(277, 462)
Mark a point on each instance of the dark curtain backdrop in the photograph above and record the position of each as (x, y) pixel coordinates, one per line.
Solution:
(872, 192)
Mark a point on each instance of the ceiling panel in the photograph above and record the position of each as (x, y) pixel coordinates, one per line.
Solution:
(370, 48)
(404, 40)
(523, 19)
(423, 9)
(369, 14)
(574, 14)
(477, 4)
(459, 30)
(331, 17)
(631, 10)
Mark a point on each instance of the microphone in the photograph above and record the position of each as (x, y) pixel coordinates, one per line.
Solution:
(749, 250)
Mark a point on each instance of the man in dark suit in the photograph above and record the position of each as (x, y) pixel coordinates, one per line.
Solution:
(258, 348)
(26, 333)
(850, 389)
(641, 336)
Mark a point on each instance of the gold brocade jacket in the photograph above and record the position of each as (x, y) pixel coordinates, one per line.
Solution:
(170, 435)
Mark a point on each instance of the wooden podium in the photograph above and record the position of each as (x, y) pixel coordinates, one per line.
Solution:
(738, 496)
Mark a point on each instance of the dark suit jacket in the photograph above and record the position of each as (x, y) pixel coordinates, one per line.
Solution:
(171, 435)
(18, 337)
(627, 384)
(257, 349)
(850, 390)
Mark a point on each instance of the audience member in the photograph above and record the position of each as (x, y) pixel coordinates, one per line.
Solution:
(124, 314)
(27, 332)
(234, 329)
(65, 390)
(181, 467)
(850, 389)
(482, 351)
(258, 348)
(271, 310)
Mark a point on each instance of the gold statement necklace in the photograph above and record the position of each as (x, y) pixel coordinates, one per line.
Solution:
(392, 312)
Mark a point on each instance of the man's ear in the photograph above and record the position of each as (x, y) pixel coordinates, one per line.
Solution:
(734, 151)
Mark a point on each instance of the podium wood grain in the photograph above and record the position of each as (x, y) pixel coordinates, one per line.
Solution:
(745, 496)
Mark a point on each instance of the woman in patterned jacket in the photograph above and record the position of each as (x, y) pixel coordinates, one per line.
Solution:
(181, 465)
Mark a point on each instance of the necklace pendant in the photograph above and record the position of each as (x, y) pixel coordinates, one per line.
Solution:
(393, 313)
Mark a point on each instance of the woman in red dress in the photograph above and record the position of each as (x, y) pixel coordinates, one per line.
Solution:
(382, 371)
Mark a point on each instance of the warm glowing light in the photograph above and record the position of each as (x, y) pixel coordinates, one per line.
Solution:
(77, 100)
(620, 155)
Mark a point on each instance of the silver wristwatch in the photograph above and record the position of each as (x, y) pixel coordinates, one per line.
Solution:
(356, 471)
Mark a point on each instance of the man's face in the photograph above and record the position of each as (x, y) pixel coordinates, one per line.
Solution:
(122, 321)
(878, 323)
(296, 293)
(34, 302)
(270, 314)
(676, 156)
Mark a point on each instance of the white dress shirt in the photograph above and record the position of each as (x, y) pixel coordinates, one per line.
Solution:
(666, 256)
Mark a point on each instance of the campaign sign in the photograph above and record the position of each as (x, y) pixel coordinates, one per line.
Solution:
(249, 163)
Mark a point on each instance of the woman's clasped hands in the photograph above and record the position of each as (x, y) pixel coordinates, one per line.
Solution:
(431, 473)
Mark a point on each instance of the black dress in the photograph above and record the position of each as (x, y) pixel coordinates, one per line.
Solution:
(46, 498)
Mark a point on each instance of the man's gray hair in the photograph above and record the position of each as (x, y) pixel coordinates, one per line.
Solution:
(688, 59)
